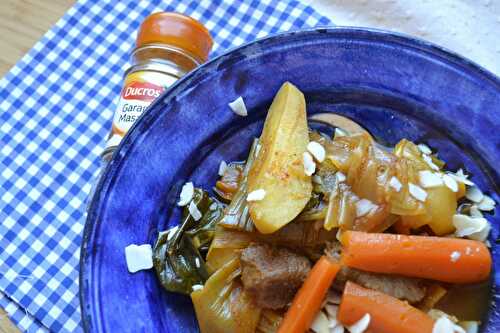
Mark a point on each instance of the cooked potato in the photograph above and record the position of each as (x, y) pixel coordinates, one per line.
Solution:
(440, 206)
(278, 169)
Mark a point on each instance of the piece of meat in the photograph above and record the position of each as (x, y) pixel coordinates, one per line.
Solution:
(404, 288)
(272, 275)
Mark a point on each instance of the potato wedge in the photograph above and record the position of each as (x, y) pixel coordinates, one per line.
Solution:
(278, 169)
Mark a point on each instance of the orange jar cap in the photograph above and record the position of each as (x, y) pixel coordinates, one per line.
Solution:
(176, 30)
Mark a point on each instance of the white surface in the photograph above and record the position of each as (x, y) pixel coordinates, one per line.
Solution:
(468, 27)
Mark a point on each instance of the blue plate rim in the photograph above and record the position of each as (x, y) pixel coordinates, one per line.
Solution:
(103, 184)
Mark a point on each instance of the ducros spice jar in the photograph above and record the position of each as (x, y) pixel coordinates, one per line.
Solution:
(168, 46)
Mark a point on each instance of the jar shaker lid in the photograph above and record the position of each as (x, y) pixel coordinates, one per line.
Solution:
(177, 30)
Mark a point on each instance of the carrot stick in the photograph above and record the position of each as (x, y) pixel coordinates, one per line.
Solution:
(387, 313)
(308, 300)
(437, 258)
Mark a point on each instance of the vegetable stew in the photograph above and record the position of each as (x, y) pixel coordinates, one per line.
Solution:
(314, 233)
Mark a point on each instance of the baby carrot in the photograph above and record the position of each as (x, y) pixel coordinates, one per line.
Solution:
(308, 300)
(387, 313)
(437, 258)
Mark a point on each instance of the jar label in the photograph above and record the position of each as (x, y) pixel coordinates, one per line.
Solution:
(139, 91)
(134, 99)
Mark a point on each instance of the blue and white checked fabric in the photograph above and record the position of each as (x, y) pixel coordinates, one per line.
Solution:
(56, 108)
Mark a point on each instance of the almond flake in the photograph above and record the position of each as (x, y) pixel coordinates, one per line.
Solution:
(238, 106)
(482, 235)
(340, 177)
(417, 192)
(472, 227)
(222, 168)
(138, 257)
(364, 206)
(429, 179)
(461, 177)
(429, 162)
(475, 212)
(197, 287)
(445, 325)
(454, 256)
(474, 194)
(186, 195)
(320, 323)
(337, 329)
(486, 204)
(450, 182)
(395, 184)
(424, 149)
(256, 195)
(317, 151)
(194, 211)
(468, 250)
(361, 325)
(309, 165)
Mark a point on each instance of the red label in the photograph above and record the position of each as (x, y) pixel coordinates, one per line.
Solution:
(143, 91)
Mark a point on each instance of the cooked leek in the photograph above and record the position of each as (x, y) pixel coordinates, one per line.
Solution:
(176, 257)
(223, 306)
(237, 215)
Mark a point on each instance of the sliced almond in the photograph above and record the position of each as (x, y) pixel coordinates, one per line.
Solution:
(487, 204)
(317, 151)
(430, 179)
(361, 325)
(395, 184)
(186, 194)
(256, 195)
(194, 211)
(417, 192)
(451, 183)
(474, 194)
(309, 165)
(238, 107)
(222, 168)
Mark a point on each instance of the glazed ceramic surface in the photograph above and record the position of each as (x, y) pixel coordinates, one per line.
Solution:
(395, 86)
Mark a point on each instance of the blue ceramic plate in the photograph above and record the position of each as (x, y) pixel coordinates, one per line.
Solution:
(395, 86)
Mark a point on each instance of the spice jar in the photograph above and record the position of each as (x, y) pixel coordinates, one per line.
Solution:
(168, 46)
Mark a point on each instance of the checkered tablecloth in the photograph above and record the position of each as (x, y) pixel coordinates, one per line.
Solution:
(56, 107)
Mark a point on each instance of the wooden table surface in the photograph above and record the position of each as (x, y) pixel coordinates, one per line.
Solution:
(22, 23)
